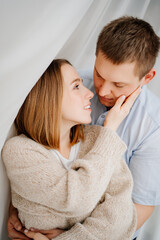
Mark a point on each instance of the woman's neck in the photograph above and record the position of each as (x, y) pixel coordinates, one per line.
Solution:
(65, 145)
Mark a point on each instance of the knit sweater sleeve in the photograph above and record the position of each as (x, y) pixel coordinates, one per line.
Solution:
(114, 217)
(38, 176)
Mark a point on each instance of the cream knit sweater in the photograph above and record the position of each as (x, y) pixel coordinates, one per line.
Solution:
(96, 188)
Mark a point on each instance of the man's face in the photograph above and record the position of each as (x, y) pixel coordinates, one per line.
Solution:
(112, 81)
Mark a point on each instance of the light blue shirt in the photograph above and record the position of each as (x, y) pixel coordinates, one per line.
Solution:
(140, 130)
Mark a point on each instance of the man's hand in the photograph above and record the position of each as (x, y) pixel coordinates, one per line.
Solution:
(15, 230)
(49, 233)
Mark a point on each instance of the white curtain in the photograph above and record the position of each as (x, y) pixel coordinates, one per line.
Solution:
(32, 33)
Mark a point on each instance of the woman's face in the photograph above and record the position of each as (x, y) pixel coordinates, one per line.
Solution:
(76, 98)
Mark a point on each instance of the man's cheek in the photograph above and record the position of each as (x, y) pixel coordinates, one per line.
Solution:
(125, 92)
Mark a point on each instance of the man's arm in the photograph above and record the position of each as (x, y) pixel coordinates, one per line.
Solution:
(14, 226)
(145, 168)
(143, 213)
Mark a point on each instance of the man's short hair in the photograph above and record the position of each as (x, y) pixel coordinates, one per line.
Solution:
(129, 39)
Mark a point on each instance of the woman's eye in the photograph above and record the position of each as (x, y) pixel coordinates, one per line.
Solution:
(76, 86)
(98, 75)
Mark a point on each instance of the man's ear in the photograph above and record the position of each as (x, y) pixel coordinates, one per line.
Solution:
(149, 76)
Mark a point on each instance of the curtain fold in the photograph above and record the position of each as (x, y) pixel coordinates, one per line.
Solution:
(35, 32)
(32, 33)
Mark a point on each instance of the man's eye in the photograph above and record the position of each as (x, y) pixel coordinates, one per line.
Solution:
(119, 86)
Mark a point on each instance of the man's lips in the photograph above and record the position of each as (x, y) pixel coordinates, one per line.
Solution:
(106, 99)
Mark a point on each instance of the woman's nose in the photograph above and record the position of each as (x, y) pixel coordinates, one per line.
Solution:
(89, 94)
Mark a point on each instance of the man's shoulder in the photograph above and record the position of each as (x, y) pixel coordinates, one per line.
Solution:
(142, 123)
(149, 105)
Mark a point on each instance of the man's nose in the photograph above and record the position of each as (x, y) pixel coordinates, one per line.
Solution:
(105, 89)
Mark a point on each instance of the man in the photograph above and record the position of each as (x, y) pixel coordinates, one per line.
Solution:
(125, 55)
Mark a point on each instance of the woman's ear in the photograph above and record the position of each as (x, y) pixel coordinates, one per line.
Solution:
(149, 76)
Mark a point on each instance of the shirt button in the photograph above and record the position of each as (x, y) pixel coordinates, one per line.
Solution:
(103, 116)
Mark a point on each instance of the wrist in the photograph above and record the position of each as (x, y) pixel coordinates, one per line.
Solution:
(111, 126)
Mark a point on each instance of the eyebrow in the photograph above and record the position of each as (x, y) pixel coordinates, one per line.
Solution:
(98, 73)
(77, 80)
(120, 83)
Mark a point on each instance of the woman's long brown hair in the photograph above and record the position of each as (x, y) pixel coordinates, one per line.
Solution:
(39, 117)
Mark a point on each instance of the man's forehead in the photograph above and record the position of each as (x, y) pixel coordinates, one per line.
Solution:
(122, 73)
(112, 77)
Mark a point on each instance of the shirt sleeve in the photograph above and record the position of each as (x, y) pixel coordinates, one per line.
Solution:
(145, 169)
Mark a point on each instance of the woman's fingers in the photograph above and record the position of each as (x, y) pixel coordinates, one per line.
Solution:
(35, 235)
(127, 103)
(131, 99)
(119, 101)
(120, 110)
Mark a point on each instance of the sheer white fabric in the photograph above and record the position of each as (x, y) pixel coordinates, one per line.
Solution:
(35, 32)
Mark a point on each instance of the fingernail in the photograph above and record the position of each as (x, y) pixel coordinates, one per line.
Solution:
(26, 230)
(32, 229)
(18, 228)
(123, 97)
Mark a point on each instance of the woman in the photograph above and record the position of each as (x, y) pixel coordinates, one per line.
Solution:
(59, 170)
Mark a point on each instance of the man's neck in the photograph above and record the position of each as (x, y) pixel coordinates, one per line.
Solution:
(108, 108)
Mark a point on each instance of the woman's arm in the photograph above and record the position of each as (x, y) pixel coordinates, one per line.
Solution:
(113, 218)
(41, 178)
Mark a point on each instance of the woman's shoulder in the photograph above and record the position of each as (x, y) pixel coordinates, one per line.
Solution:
(21, 146)
(19, 142)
